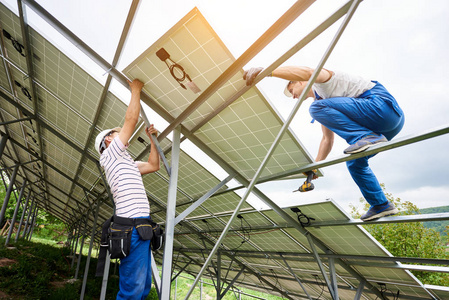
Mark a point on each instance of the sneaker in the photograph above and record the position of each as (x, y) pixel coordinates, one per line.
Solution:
(364, 143)
(377, 211)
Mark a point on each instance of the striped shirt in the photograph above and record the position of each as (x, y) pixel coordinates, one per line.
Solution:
(125, 181)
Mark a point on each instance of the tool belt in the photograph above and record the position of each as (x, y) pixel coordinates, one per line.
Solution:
(117, 237)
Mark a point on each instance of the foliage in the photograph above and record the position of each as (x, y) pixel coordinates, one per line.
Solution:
(440, 226)
(411, 239)
(47, 226)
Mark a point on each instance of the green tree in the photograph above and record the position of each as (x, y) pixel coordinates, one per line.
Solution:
(411, 239)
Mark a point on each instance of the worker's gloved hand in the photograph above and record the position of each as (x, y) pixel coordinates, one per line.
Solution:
(314, 174)
(251, 74)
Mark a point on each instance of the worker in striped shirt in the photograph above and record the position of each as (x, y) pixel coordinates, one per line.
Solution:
(124, 177)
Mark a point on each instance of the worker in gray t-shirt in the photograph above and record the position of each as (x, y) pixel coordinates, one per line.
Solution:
(360, 111)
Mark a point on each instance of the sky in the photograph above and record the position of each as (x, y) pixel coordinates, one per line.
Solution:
(402, 44)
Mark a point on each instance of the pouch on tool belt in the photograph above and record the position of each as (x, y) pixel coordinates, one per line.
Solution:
(158, 237)
(119, 240)
(145, 231)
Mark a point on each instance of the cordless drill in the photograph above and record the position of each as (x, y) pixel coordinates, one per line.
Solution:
(307, 185)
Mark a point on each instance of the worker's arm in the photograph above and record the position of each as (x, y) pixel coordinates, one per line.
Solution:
(291, 73)
(327, 141)
(132, 112)
(152, 165)
(294, 73)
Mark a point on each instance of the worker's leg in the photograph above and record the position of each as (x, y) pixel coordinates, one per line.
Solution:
(135, 269)
(366, 181)
(355, 118)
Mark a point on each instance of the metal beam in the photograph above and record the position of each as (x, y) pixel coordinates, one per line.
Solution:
(359, 291)
(283, 22)
(3, 141)
(16, 210)
(320, 265)
(301, 44)
(92, 237)
(30, 67)
(22, 217)
(296, 277)
(118, 52)
(170, 218)
(200, 201)
(12, 181)
(399, 142)
(15, 121)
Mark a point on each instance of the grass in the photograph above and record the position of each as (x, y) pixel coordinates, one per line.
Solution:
(40, 269)
(185, 281)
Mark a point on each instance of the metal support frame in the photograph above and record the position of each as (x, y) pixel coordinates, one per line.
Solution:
(82, 242)
(16, 210)
(92, 237)
(33, 223)
(22, 217)
(15, 121)
(277, 141)
(201, 200)
(170, 218)
(333, 276)
(359, 291)
(12, 181)
(3, 141)
(156, 276)
(104, 282)
(78, 234)
(28, 58)
(30, 210)
(231, 283)
(320, 265)
(28, 1)
(296, 277)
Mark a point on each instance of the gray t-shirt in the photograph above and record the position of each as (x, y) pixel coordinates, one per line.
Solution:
(343, 85)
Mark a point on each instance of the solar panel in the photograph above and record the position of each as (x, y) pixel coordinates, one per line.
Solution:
(240, 134)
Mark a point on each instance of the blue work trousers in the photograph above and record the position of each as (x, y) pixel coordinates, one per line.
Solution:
(375, 111)
(135, 270)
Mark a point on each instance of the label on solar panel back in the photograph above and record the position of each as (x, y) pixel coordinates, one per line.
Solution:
(193, 87)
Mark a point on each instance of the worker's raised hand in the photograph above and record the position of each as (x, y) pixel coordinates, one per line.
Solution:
(151, 130)
(136, 85)
(251, 74)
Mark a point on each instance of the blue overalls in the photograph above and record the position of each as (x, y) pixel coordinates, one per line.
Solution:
(135, 270)
(376, 111)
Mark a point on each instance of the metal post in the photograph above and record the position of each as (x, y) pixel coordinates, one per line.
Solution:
(28, 217)
(218, 287)
(201, 290)
(296, 277)
(156, 276)
(176, 287)
(33, 223)
(23, 216)
(320, 265)
(333, 275)
(13, 221)
(104, 283)
(3, 141)
(76, 244)
(82, 244)
(12, 180)
(170, 221)
(359, 292)
(92, 237)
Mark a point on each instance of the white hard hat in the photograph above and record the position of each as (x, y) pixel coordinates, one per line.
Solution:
(99, 140)
(286, 91)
